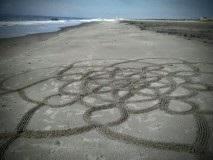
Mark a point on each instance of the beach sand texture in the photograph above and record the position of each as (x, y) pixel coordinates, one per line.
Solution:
(105, 91)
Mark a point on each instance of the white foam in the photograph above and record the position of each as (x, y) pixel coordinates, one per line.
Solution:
(13, 23)
(21, 28)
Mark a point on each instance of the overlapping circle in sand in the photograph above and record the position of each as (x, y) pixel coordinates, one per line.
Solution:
(130, 86)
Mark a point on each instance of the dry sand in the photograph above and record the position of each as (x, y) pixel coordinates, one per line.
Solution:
(57, 101)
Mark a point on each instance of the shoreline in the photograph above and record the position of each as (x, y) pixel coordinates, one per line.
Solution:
(46, 35)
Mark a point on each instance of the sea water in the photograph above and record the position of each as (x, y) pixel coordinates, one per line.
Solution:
(15, 26)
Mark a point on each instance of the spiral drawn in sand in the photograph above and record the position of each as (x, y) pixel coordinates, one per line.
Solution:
(101, 85)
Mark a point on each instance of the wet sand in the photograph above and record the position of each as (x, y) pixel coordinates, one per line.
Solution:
(106, 91)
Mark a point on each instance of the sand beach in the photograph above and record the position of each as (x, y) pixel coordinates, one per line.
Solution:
(108, 90)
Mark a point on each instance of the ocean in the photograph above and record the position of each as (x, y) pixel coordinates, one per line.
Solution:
(16, 26)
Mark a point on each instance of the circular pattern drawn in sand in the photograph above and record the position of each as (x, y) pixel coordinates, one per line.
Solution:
(124, 87)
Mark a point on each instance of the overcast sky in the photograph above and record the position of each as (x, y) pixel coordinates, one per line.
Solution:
(110, 8)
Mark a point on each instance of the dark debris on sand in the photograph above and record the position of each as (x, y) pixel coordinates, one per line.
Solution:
(202, 31)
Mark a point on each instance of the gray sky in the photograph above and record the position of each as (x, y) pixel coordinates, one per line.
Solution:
(110, 8)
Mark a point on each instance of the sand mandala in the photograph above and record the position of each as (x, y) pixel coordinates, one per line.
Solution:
(101, 85)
